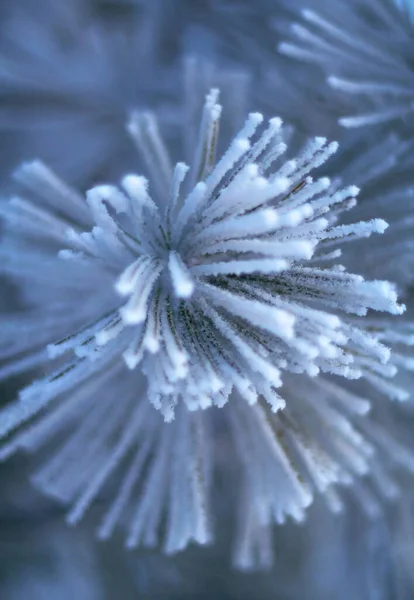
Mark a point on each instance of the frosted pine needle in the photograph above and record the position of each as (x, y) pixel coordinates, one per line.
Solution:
(365, 50)
(219, 285)
(339, 439)
(382, 167)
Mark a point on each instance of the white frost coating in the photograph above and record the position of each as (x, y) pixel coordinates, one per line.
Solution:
(182, 281)
(188, 291)
(241, 240)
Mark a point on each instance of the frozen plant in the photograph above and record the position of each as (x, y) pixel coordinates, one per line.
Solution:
(245, 34)
(209, 279)
(365, 51)
(204, 282)
(342, 439)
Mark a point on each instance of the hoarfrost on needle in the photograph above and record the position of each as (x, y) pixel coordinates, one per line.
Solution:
(204, 280)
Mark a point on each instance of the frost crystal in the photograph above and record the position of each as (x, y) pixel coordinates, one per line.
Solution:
(207, 280)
